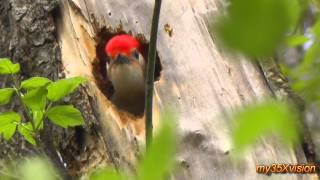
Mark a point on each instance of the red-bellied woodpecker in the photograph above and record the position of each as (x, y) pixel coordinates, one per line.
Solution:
(126, 70)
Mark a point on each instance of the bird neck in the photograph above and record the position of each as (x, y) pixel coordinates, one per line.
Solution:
(127, 79)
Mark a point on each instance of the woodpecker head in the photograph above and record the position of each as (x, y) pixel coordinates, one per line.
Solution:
(123, 49)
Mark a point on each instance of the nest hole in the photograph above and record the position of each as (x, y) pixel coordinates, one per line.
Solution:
(99, 65)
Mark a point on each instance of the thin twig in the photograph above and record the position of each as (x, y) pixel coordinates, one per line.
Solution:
(150, 71)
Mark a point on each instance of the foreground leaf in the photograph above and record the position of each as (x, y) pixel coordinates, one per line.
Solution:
(27, 133)
(62, 88)
(316, 29)
(265, 119)
(35, 82)
(65, 116)
(8, 131)
(8, 124)
(37, 169)
(297, 40)
(9, 117)
(35, 99)
(256, 28)
(110, 174)
(5, 95)
(159, 158)
(7, 67)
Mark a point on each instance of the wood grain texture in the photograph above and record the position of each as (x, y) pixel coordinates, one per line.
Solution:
(200, 81)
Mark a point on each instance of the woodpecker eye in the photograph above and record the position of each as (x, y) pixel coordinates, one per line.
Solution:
(135, 54)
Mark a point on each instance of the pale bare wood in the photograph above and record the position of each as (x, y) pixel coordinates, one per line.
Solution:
(199, 81)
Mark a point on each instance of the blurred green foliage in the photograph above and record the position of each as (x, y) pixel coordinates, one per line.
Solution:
(305, 77)
(257, 27)
(263, 119)
(107, 173)
(34, 168)
(159, 158)
(30, 170)
(297, 40)
(157, 162)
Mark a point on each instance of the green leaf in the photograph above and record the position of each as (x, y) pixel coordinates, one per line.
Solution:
(38, 119)
(7, 67)
(159, 158)
(65, 116)
(294, 41)
(110, 174)
(5, 95)
(62, 88)
(262, 119)
(9, 117)
(309, 59)
(316, 28)
(35, 82)
(308, 89)
(35, 99)
(295, 8)
(8, 131)
(256, 28)
(26, 131)
(8, 123)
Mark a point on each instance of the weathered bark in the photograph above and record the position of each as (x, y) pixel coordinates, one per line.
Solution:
(200, 81)
(28, 36)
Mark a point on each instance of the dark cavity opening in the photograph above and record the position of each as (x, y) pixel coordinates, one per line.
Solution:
(99, 65)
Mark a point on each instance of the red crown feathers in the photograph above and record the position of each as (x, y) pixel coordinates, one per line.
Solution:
(121, 44)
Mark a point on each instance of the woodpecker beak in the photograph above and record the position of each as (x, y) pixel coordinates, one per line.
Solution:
(121, 59)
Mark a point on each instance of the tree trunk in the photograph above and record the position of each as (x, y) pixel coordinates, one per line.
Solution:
(198, 80)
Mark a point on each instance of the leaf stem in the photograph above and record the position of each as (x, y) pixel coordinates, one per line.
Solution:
(150, 71)
(45, 114)
(27, 111)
